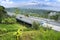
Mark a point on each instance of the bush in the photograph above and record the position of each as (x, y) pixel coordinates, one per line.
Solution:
(26, 15)
(3, 30)
(35, 25)
(9, 20)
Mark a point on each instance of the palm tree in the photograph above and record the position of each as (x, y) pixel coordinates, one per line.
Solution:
(17, 34)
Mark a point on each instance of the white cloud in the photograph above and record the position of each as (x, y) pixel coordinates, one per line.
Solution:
(58, 0)
(46, 0)
(6, 3)
(9, 3)
(7, 0)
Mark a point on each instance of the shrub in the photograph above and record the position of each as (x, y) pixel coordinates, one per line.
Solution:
(3, 30)
(26, 15)
(35, 25)
(9, 20)
(17, 34)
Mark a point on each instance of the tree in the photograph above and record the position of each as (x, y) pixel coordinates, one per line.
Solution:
(26, 15)
(55, 17)
(9, 20)
(17, 11)
(35, 25)
(3, 13)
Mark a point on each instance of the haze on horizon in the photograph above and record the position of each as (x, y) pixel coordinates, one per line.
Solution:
(40, 4)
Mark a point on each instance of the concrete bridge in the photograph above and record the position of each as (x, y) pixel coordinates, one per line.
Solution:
(43, 21)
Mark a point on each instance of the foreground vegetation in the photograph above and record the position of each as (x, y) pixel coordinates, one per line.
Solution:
(10, 29)
(8, 32)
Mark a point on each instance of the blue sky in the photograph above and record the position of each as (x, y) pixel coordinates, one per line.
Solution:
(19, 3)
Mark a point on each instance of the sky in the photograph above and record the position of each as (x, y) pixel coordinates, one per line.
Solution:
(53, 4)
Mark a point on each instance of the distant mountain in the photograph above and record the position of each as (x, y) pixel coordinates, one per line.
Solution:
(41, 6)
(37, 6)
(28, 10)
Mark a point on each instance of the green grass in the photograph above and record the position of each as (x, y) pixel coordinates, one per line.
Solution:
(41, 35)
(7, 32)
(11, 27)
(8, 36)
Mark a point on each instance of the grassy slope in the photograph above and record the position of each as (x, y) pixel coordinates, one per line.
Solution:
(7, 31)
(40, 35)
(27, 35)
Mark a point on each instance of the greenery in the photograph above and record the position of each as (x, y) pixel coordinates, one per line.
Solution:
(9, 20)
(40, 35)
(17, 34)
(32, 12)
(55, 17)
(3, 13)
(10, 32)
(10, 29)
(27, 15)
(17, 11)
(35, 25)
